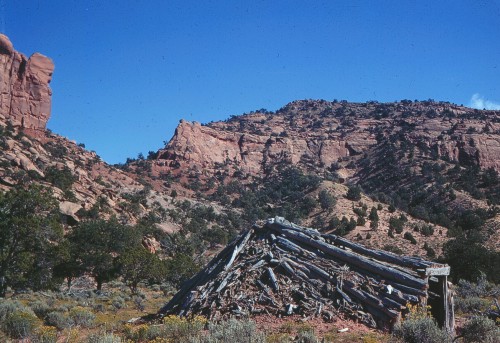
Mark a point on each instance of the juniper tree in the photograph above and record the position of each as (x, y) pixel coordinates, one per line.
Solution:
(30, 235)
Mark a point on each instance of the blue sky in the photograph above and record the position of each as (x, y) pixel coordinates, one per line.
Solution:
(127, 71)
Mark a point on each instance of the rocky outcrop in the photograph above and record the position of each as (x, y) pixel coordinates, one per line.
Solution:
(315, 135)
(70, 209)
(25, 95)
(210, 147)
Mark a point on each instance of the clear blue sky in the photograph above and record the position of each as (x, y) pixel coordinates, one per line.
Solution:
(127, 71)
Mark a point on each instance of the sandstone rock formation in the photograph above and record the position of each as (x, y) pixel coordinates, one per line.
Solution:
(315, 134)
(25, 95)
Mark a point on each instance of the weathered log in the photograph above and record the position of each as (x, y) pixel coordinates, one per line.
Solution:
(344, 296)
(390, 303)
(238, 248)
(404, 261)
(367, 319)
(401, 298)
(409, 290)
(318, 272)
(281, 221)
(353, 258)
(287, 245)
(258, 264)
(287, 267)
(211, 269)
(383, 321)
(296, 264)
(368, 299)
(292, 247)
(263, 286)
(409, 293)
(272, 278)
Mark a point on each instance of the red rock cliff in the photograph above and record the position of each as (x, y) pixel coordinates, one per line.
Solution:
(317, 134)
(25, 95)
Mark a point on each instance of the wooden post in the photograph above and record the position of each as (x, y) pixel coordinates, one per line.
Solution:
(449, 315)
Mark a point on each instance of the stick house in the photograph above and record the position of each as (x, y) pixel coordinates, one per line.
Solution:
(283, 269)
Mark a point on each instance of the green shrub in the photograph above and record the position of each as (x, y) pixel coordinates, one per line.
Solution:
(61, 178)
(306, 336)
(326, 200)
(392, 248)
(58, 319)
(470, 305)
(139, 303)
(179, 329)
(430, 252)
(143, 332)
(410, 237)
(427, 230)
(480, 288)
(361, 221)
(45, 334)
(99, 307)
(20, 324)
(420, 330)
(9, 306)
(373, 216)
(360, 211)
(56, 150)
(155, 287)
(233, 330)
(103, 338)
(81, 316)
(353, 193)
(396, 224)
(481, 330)
(40, 307)
(180, 268)
(118, 303)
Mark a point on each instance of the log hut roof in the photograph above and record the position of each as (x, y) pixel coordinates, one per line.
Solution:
(283, 269)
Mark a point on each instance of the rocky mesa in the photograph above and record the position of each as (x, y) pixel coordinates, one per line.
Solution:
(315, 134)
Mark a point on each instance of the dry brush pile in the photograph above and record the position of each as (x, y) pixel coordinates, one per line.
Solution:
(283, 269)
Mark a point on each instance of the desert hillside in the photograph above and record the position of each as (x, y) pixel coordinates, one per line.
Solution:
(413, 178)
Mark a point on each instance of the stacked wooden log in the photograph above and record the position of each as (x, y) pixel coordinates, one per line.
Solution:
(284, 269)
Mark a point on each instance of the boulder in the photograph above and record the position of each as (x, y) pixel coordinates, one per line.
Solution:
(69, 209)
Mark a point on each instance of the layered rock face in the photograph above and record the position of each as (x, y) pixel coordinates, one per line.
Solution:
(25, 95)
(207, 146)
(315, 134)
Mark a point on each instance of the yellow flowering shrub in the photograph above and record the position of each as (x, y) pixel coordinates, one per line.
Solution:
(46, 334)
(139, 333)
(176, 327)
(172, 329)
(418, 312)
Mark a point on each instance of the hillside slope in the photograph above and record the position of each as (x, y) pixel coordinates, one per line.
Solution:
(428, 170)
(434, 161)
